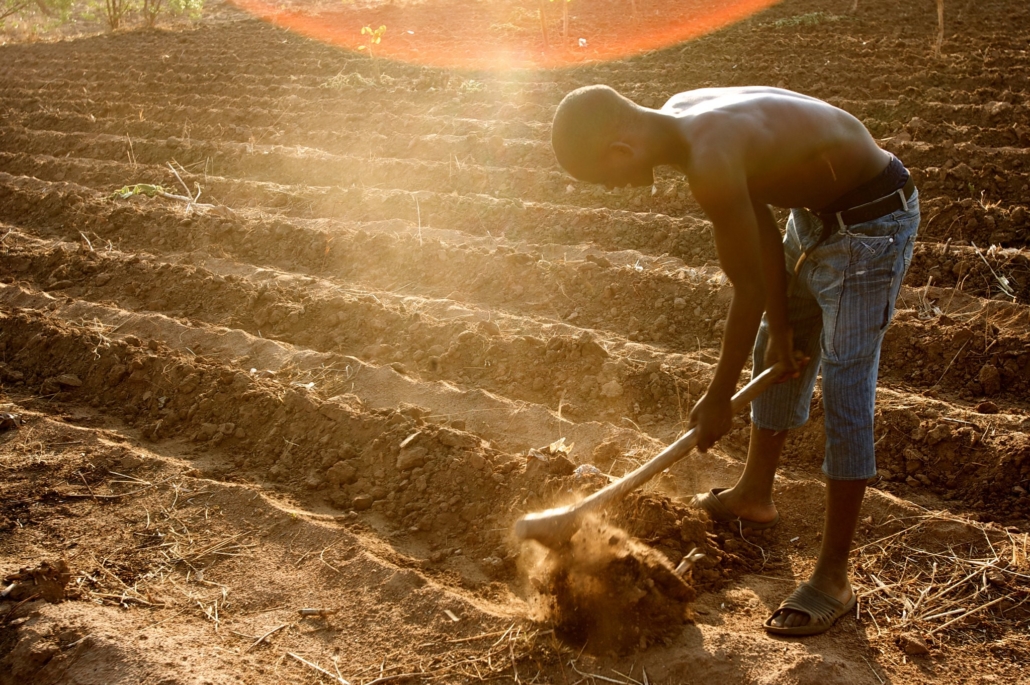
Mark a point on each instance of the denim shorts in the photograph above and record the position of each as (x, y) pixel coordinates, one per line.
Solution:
(838, 308)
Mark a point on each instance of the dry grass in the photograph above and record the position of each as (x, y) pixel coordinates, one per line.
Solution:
(945, 578)
(517, 654)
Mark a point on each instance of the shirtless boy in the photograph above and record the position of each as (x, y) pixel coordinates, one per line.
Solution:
(825, 292)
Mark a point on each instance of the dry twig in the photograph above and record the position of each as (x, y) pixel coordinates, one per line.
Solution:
(942, 584)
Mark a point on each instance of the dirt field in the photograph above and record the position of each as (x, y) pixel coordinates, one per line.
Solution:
(315, 386)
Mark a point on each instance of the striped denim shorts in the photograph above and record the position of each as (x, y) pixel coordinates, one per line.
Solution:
(839, 307)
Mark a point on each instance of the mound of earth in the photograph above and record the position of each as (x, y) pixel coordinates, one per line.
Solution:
(608, 591)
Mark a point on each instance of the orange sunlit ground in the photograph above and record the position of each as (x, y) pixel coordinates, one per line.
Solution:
(498, 34)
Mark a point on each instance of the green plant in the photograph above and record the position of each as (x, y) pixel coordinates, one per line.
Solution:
(11, 7)
(147, 189)
(53, 9)
(150, 10)
(375, 36)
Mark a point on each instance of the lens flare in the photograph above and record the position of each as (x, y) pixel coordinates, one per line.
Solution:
(503, 34)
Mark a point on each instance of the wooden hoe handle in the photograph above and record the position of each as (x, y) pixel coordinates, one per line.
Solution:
(674, 452)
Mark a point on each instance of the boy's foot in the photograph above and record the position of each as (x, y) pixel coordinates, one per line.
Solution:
(718, 510)
(810, 610)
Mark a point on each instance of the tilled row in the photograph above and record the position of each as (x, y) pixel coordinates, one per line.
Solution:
(535, 280)
(331, 67)
(346, 135)
(291, 165)
(571, 370)
(330, 106)
(989, 125)
(976, 350)
(484, 146)
(978, 269)
(432, 482)
(860, 31)
(333, 134)
(323, 316)
(64, 110)
(990, 273)
(936, 114)
(976, 463)
(282, 165)
(513, 220)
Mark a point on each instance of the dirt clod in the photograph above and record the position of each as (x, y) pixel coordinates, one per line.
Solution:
(47, 581)
(612, 592)
(913, 645)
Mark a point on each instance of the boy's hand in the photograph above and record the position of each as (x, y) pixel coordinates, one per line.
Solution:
(780, 350)
(713, 418)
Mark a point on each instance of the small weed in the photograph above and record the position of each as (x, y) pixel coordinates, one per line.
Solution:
(375, 36)
(146, 189)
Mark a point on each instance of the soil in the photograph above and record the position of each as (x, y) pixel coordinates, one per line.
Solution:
(610, 592)
(317, 385)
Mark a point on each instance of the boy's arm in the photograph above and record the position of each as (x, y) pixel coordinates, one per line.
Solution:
(751, 256)
(774, 274)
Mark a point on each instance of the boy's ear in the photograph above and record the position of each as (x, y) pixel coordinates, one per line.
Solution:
(620, 150)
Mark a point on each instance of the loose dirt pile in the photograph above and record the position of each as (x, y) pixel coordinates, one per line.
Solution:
(609, 592)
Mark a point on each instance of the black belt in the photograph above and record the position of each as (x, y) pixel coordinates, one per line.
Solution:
(868, 211)
(859, 215)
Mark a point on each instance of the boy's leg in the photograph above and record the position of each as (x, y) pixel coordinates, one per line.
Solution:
(786, 404)
(751, 497)
(858, 294)
(843, 501)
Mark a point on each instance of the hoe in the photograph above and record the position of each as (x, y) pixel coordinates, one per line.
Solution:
(554, 527)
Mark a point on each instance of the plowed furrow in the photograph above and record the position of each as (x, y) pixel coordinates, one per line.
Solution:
(346, 117)
(541, 365)
(584, 292)
(477, 215)
(369, 144)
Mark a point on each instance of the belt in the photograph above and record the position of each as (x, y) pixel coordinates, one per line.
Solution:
(859, 214)
(870, 210)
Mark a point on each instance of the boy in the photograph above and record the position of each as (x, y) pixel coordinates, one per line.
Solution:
(827, 289)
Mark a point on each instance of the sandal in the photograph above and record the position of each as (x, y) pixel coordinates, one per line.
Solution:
(822, 609)
(717, 511)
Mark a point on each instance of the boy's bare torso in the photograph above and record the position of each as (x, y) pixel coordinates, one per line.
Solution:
(795, 151)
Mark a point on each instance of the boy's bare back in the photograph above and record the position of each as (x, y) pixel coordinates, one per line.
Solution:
(795, 151)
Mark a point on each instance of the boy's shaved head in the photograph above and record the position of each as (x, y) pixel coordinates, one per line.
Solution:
(587, 121)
